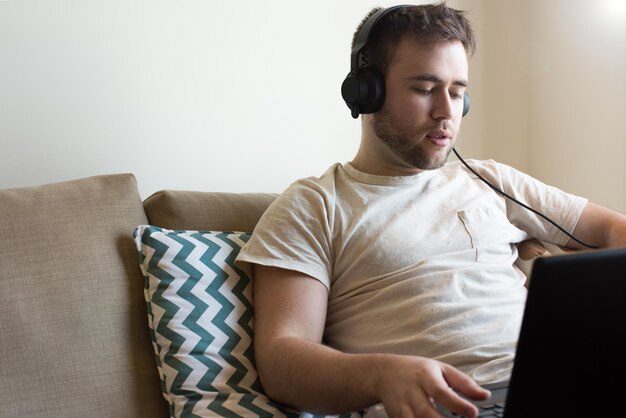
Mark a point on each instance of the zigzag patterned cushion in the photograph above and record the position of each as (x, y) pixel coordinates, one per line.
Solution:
(200, 317)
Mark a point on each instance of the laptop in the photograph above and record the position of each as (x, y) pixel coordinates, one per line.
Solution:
(571, 353)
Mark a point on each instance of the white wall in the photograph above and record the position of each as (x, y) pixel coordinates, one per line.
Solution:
(206, 95)
(555, 90)
(244, 96)
(578, 98)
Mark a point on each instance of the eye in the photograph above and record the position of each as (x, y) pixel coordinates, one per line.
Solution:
(423, 92)
(456, 95)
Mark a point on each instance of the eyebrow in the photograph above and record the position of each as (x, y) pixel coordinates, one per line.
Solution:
(435, 79)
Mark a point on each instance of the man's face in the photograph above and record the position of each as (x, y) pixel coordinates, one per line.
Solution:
(423, 107)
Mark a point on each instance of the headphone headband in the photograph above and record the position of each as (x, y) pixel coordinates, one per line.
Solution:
(364, 33)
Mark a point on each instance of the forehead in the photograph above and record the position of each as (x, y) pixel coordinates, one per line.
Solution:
(447, 60)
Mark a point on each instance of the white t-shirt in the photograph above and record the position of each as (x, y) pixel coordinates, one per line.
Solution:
(421, 264)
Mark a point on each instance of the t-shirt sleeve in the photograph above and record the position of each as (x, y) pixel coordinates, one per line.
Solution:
(561, 207)
(294, 233)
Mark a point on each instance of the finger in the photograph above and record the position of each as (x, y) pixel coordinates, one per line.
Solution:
(446, 397)
(443, 391)
(464, 384)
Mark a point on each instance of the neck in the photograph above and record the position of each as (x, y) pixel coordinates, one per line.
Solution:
(375, 157)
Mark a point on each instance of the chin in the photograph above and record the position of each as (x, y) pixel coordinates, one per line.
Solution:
(435, 162)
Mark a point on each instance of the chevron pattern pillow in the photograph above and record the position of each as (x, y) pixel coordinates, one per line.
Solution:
(200, 316)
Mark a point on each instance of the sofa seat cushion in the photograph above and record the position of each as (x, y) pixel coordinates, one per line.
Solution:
(73, 341)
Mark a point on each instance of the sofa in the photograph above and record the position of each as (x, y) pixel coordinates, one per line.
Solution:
(97, 315)
(74, 333)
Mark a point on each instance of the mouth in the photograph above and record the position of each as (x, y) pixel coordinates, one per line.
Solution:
(439, 138)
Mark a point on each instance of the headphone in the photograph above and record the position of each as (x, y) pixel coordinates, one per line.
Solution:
(363, 90)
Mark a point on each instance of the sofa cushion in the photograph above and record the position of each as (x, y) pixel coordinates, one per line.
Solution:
(73, 341)
(208, 211)
(200, 311)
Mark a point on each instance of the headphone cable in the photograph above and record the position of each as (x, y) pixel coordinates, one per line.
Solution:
(501, 192)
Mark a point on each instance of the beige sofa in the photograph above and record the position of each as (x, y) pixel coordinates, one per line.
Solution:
(74, 340)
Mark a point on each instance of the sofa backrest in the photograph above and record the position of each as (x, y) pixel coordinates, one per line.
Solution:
(74, 340)
(206, 211)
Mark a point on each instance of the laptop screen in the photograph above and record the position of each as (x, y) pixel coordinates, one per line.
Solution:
(571, 353)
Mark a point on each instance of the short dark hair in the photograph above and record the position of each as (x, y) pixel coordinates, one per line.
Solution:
(428, 23)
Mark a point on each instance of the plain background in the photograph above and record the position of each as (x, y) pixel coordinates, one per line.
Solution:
(245, 96)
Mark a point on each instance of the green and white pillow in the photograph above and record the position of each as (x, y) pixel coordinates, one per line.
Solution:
(200, 316)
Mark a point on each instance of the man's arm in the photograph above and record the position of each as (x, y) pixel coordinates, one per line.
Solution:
(295, 368)
(599, 226)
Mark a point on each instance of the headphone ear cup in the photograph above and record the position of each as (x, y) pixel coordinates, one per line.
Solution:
(364, 92)
(350, 93)
(373, 90)
(466, 103)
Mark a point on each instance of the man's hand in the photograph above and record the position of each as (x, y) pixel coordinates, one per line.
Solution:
(410, 386)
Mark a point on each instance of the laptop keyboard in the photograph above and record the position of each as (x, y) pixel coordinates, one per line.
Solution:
(490, 408)
(492, 411)
(487, 411)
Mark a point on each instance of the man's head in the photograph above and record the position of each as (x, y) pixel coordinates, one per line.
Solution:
(422, 53)
(429, 24)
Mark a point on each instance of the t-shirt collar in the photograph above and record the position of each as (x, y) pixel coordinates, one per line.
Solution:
(385, 180)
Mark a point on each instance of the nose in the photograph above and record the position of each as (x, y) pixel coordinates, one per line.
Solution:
(442, 106)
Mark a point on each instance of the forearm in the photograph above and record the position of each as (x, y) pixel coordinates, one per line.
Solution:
(316, 378)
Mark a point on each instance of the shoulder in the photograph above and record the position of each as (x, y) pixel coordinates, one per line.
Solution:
(308, 194)
(314, 188)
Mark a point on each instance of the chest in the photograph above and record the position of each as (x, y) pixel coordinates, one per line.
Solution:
(388, 229)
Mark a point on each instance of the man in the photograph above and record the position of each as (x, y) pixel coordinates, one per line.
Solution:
(391, 279)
